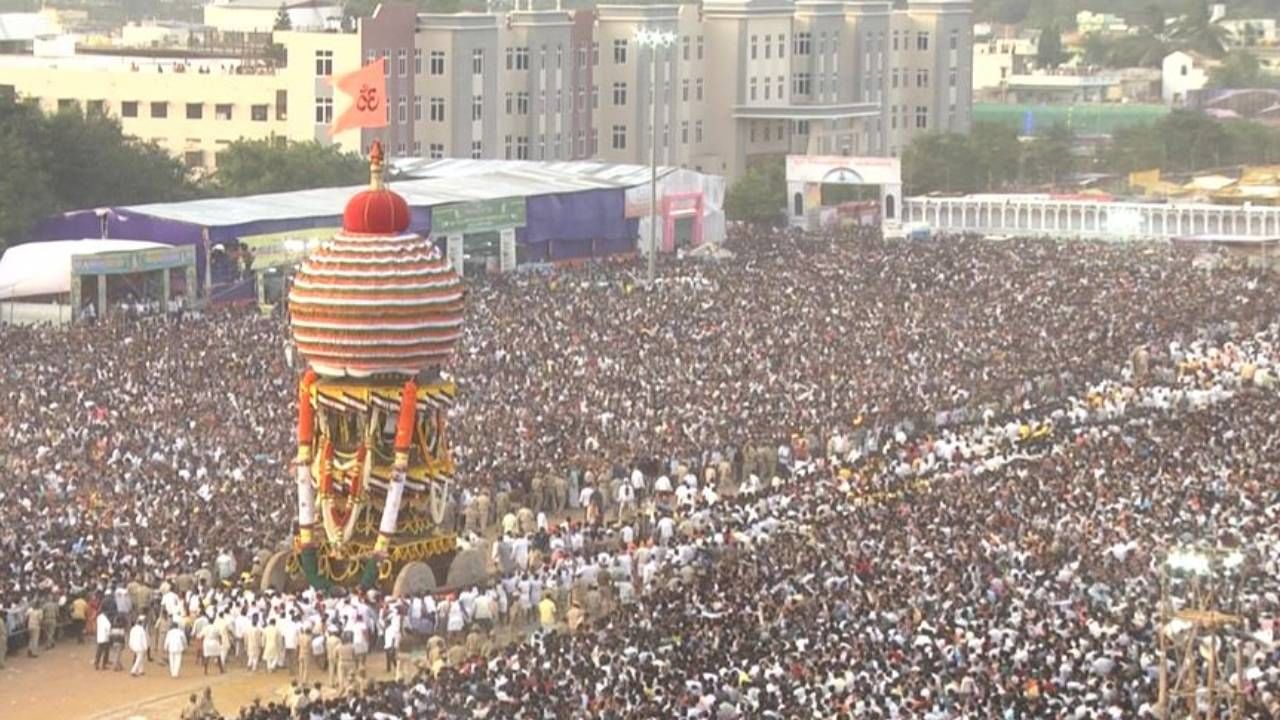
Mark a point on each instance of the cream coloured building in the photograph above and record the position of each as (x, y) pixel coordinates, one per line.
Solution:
(745, 81)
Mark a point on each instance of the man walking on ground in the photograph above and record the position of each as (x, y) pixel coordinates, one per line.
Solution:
(138, 645)
(174, 643)
(102, 635)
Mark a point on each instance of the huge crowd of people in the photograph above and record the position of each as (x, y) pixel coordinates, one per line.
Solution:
(830, 477)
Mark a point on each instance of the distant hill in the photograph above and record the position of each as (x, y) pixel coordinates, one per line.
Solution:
(1136, 12)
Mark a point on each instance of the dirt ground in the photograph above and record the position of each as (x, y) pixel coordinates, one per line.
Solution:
(61, 684)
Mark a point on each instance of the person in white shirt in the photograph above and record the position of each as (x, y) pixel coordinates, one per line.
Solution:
(174, 643)
(138, 644)
(102, 634)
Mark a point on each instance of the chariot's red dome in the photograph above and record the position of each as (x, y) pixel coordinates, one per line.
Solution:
(377, 211)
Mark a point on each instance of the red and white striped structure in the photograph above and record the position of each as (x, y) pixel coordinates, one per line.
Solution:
(376, 300)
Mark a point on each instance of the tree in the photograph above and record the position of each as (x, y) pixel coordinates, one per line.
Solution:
(283, 22)
(68, 161)
(1049, 52)
(759, 196)
(1097, 51)
(996, 151)
(1240, 69)
(1195, 31)
(250, 167)
(939, 162)
(1140, 50)
(1048, 157)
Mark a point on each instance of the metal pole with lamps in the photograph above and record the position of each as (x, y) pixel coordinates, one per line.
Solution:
(654, 40)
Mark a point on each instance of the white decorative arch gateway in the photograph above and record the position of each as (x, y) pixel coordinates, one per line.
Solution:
(807, 173)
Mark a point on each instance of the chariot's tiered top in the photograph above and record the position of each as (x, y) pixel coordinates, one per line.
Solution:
(376, 299)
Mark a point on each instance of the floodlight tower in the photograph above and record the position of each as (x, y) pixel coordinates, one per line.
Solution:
(1200, 629)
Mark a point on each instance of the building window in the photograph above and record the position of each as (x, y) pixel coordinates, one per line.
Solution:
(619, 137)
(684, 48)
(922, 117)
(542, 58)
(922, 41)
(324, 63)
(595, 97)
(511, 54)
(399, 149)
(522, 103)
(802, 127)
(559, 57)
(593, 142)
(477, 149)
(129, 108)
(893, 78)
(802, 84)
(580, 56)
(195, 111)
(506, 145)
(436, 109)
(477, 107)
(437, 62)
(258, 113)
(417, 148)
(782, 83)
(161, 109)
(417, 108)
(510, 102)
(893, 117)
(386, 63)
(582, 99)
(522, 147)
(697, 131)
(955, 39)
(402, 62)
(782, 46)
(684, 132)
(193, 159)
(922, 78)
(619, 93)
(751, 93)
(800, 43)
(595, 54)
(559, 100)
(522, 58)
(324, 110)
(222, 111)
(766, 89)
(768, 47)
(436, 150)
(699, 47)
(755, 46)
(951, 78)
(619, 52)
(684, 90)
(477, 61)
(402, 111)
(698, 86)
(417, 66)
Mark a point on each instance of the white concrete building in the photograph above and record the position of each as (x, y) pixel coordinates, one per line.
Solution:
(1180, 73)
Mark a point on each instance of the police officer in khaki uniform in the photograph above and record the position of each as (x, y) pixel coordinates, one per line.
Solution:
(49, 622)
(35, 620)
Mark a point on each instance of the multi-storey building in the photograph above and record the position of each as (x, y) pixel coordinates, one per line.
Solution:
(744, 81)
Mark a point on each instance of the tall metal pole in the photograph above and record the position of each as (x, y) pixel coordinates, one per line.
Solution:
(653, 169)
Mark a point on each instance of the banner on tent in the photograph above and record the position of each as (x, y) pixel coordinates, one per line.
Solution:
(479, 216)
(132, 261)
(285, 248)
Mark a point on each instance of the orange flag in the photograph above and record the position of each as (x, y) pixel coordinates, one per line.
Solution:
(368, 90)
